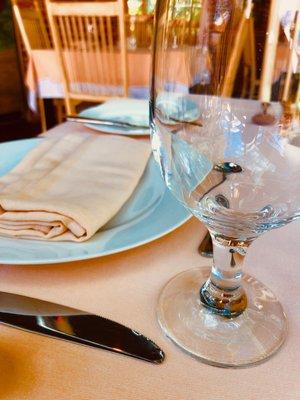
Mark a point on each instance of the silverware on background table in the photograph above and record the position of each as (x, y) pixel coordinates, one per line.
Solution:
(106, 122)
(122, 124)
(77, 326)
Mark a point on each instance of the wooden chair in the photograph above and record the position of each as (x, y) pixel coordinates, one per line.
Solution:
(139, 17)
(271, 52)
(242, 45)
(293, 45)
(139, 31)
(236, 32)
(89, 38)
(34, 36)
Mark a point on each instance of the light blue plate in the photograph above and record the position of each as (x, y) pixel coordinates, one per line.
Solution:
(134, 111)
(150, 213)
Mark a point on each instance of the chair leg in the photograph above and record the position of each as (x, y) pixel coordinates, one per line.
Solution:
(58, 104)
(70, 108)
(42, 114)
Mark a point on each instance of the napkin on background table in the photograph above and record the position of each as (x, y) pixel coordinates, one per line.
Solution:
(68, 187)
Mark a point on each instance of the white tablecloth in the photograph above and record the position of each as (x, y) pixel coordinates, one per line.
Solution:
(125, 287)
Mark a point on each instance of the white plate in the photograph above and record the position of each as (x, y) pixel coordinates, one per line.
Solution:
(150, 213)
(133, 111)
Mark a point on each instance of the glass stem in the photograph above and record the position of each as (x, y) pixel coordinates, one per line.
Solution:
(223, 293)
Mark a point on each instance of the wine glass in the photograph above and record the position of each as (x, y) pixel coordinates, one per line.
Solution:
(224, 114)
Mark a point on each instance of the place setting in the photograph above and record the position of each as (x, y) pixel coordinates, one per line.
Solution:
(143, 212)
(156, 223)
(119, 116)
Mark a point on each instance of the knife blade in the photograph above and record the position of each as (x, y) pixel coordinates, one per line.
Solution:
(66, 323)
(105, 122)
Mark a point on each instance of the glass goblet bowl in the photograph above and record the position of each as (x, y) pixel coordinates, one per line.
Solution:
(224, 118)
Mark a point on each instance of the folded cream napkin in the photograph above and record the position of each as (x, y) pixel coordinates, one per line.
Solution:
(66, 188)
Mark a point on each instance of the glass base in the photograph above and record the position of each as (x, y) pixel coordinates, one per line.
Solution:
(249, 338)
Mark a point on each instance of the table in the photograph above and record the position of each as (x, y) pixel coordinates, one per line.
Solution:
(43, 75)
(125, 287)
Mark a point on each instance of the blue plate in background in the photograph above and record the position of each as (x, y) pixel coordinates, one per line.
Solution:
(134, 111)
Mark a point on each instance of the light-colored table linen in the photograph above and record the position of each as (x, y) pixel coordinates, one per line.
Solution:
(43, 75)
(125, 287)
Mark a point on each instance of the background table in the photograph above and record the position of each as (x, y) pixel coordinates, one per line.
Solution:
(43, 75)
(125, 287)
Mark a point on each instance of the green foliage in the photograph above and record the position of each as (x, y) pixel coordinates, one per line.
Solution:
(6, 28)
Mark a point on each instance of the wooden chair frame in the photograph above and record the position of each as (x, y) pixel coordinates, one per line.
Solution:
(244, 34)
(41, 38)
(89, 11)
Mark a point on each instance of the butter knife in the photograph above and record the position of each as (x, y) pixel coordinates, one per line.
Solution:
(105, 122)
(77, 326)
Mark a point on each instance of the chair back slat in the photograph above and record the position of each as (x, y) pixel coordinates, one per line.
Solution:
(99, 64)
(103, 44)
(111, 48)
